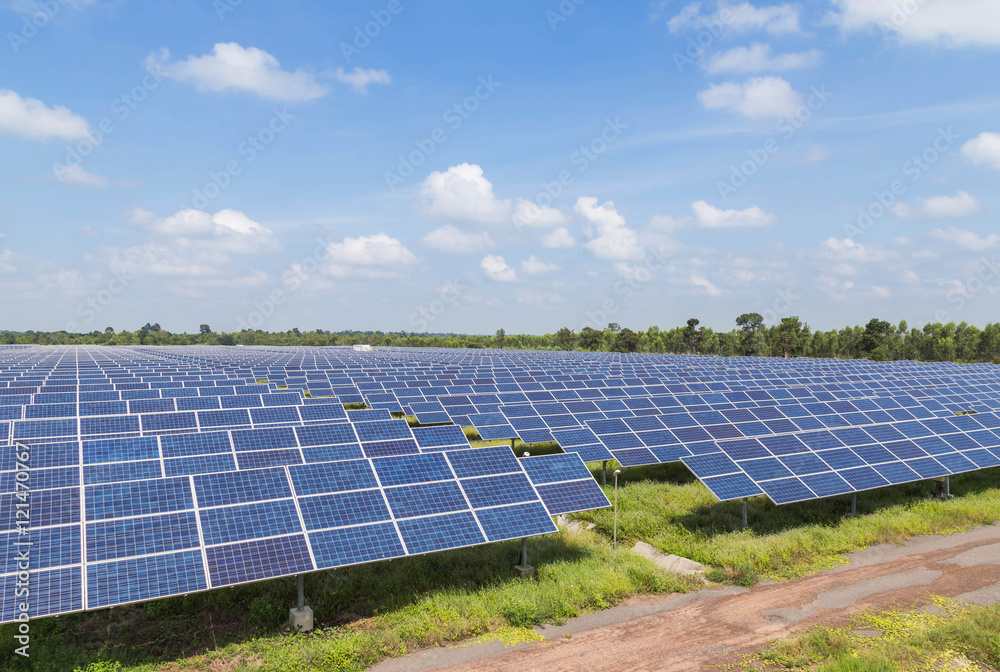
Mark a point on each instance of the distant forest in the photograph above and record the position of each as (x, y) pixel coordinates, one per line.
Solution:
(878, 340)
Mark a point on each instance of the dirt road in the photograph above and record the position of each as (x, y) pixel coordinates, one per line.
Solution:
(690, 632)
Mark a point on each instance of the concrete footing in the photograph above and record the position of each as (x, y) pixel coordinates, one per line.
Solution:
(301, 619)
(525, 571)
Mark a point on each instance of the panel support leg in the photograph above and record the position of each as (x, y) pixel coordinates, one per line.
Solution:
(744, 513)
(604, 473)
(854, 503)
(301, 618)
(947, 486)
(524, 569)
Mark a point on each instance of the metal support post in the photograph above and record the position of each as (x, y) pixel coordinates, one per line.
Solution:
(744, 513)
(302, 591)
(604, 473)
(524, 552)
(947, 486)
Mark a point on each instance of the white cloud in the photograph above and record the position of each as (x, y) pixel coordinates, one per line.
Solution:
(225, 231)
(7, 259)
(527, 213)
(532, 297)
(984, 148)
(32, 119)
(817, 153)
(758, 58)
(705, 285)
(614, 239)
(377, 256)
(963, 204)
(161, 260)
(710, 217)
(559, 239)
(957, 23)
(667, 223)
(497, 269)
(88, 231)
(967, 239)
(359, 78)
(847, 250)
(461, 193)
(756, 98)
(77, 175)
(743, 17)
(534, 266)
(231, 66)
(455, 241)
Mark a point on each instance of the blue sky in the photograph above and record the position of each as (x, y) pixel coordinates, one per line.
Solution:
(470, 166)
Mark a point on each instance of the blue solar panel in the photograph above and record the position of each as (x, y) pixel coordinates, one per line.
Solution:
(436, 533)
(572, 496)
(353, 545)
(258, 559)
(513, 522)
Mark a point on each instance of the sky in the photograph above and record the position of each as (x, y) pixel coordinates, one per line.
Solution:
(526, 165)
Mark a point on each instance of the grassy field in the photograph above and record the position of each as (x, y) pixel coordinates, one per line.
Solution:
(370, 612)
(949, 636)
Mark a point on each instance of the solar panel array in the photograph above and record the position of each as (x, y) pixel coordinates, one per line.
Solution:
(161, 471)
(149, 479)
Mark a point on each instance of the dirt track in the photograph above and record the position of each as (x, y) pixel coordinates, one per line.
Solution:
(711, 627)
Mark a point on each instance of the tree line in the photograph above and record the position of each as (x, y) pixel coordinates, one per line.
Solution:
(878, 340)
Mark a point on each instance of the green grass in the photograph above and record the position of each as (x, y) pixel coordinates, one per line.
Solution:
(955, 634)
(684, 518)
(369, 612)
(363, 613)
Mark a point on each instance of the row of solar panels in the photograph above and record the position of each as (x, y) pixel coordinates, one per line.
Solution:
(116, 543)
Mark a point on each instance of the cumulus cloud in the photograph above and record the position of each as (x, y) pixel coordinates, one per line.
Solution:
(225, 231)
(359, 78)
(377, 256)
(758, 58)
(77, 175)
(739, 18)
(963, 204)
(32, 119)
(461, 193)
(497, 269)
(559, 239)
(527, 213)
(455, 241)
(967, 239)
(984, 148)
(233, 67)
(614, 240)
(703, 283)
(756, 98)
(955, 23)
(162, 260)
(710, 217)
(534, 266)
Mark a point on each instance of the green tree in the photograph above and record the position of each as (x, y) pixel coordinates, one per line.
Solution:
(626, 340)
(500, 337)
(750, 325)
(691, 334)
(614, 327)
(788, 335)
(565, 339)
(590, 339)
(205, 329)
